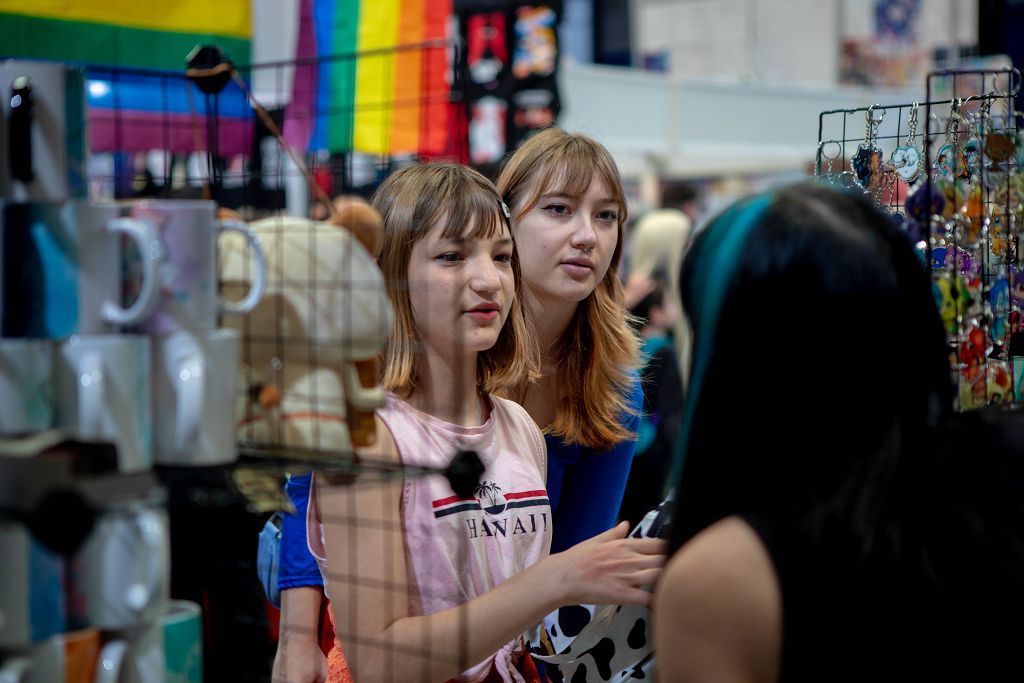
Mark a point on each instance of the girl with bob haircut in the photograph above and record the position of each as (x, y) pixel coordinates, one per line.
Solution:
(462, 199)
(425, 585)
(846, 529)
(568, 211)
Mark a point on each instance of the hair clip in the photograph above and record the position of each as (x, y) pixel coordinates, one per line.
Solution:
(504, 210)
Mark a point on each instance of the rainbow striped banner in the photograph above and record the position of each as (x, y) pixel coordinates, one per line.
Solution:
(373, 86)
(157, 34)
(376, 91)
(135, 111)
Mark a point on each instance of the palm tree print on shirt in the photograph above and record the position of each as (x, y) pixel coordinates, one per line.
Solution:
(490, 497)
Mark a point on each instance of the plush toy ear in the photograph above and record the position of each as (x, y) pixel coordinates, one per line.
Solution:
(364, 222)
(226, 214)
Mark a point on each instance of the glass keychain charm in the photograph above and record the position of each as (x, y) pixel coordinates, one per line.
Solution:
(867, 162)
(947, 158)
(906, 158)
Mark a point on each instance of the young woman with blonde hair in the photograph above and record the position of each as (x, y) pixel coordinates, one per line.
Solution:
(568, 210)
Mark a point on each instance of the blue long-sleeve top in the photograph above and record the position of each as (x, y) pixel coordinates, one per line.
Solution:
(585, 487)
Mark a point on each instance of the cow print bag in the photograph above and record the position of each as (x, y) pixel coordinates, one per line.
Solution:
(598, 643)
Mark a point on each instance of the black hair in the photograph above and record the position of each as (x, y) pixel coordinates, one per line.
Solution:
(675, 195)
(829, 380)
(825, 421)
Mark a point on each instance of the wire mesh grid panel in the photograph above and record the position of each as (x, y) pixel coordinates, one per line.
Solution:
(294, 149)
(948, 170)
(385, 560)
(870, 148)
(972, 209)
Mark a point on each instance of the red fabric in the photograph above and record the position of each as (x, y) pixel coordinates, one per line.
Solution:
(337, 667)
(326, 631)
(273, 620)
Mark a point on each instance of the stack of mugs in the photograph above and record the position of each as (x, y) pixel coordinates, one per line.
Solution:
(108, 332)
(102, 615)
(154, 375)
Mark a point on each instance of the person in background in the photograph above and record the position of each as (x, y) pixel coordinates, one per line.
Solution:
(425, 584)
(832, 521)
(568, 210)
(306, 633)
(654, 315)
(657, 244)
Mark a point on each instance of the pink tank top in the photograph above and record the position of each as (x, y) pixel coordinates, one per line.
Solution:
(459, 548)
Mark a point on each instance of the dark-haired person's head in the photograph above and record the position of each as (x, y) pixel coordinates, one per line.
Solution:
(678, 195)
(819, 365)
(657, 291)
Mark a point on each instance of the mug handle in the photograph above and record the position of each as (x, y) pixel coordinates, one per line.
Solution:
(92, 396)
(189, 393)
(155, 567)
(111, 659)
(256, 290)
(144, 236)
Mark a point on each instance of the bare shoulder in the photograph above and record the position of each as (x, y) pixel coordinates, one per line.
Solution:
(383, 447)
(718, 608)
(383, 451)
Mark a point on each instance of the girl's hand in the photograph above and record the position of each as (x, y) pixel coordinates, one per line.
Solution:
(608, 569)
(299, 660)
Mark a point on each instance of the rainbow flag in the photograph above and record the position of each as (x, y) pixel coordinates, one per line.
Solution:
(126, 33)
(378, 88)
(379, 82)
(135, 111)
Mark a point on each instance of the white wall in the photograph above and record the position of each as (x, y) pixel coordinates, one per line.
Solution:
(772, 40)
(691, 127)
(780, 41)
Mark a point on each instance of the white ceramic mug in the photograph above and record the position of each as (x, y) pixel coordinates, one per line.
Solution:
(189, 232)
(120, 575)
(32, 600)
(62, 271)
(103, 394)
(194, 380)
(26, 385)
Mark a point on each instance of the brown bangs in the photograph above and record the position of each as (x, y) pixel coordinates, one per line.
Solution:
(568, 168)
(466, 207)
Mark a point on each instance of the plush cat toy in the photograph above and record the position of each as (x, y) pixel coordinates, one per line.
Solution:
(309, 348)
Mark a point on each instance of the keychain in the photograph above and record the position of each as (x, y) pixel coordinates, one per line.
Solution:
(867, 162)
(906, 159)
(947, 160)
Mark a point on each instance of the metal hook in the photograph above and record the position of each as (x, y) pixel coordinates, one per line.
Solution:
(912, 122)
(871, 124)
